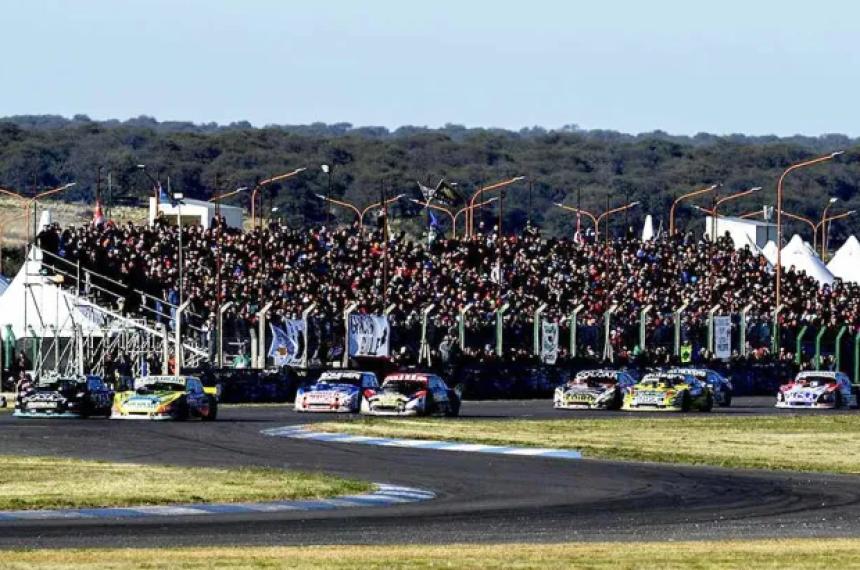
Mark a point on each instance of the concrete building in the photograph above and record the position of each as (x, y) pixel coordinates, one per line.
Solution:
(195, 212)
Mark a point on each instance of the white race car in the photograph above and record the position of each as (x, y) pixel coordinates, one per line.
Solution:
(829, 390)
(594, 389)
(336, 391)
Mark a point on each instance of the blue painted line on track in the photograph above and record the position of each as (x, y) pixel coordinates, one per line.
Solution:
(307, 433)
(384, 495)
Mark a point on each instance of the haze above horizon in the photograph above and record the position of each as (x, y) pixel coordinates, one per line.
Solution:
(735, 67)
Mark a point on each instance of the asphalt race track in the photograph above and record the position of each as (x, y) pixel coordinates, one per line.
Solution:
(481, 498)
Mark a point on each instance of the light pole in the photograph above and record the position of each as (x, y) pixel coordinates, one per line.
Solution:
(825, 227)
(466, 209)
(831, 156)
(359, 214)
(684, 197)
(825, 223)
(608, 213)
(713, 212)
(327, 169)
(430, 206)
(260, 185)
(178, 198)
(470, 223)
(579, 212)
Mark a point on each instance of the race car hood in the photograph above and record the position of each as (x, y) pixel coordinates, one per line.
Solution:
(586, 389)
(338, 389)
(802, 392)
(153, 400)
(44, 396)
(392, 398)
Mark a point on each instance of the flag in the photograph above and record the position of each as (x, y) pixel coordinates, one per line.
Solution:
(447, 193)
(163, 198)
(426, 191)
(434, 221)
(98, 216)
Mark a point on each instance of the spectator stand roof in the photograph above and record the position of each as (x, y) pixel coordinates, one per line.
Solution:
(799, 255)
(846, 261)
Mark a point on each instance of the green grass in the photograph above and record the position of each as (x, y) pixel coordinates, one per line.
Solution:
(800, 554)
(45, 482)
(824, 442)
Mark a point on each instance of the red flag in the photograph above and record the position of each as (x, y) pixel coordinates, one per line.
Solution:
(98, 217)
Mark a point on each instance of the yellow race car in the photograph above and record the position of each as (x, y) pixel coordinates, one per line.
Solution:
(671, 392)
(165, 398)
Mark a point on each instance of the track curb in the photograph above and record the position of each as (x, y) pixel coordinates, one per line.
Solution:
(384, 495)
(303, 432)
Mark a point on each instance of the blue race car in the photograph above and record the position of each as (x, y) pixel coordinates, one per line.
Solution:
(336, 391)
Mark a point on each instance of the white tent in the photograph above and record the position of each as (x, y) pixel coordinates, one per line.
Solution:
(648, 229)
(797, 254)
(846, 261)
(769, 252)
(34, 305)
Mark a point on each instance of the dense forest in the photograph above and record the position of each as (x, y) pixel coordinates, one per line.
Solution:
(598, 167)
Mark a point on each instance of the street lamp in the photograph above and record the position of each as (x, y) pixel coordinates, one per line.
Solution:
(684, 197)
(825, 227)
(825, 223)
(579, 212)
(466, 209)
(831, 156)
(266, 182)
(608, 213)
(177, 201)
(470, 218)
(327, 169)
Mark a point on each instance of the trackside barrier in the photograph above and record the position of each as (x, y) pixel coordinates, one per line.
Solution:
(837, 349)
(608, 352)
(536, 329)
(500, 328)
(677, 343)
(817, 360)
(798, 353)
(424, 347)
(711, 314)
(643, 326)
(573, 318)
(461, 325)
(346, 313)
(261, 335)
(775, 340)
(306, 326)
(743, 330)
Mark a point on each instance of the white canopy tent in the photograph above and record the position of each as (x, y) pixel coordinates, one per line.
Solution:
(648, 228)
(799, 255)
(769, 252)
(34, 305)
(846, 261)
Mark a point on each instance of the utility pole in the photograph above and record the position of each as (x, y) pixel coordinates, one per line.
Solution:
(384, 244)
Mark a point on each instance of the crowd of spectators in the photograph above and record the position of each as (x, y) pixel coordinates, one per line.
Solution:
(334, 267)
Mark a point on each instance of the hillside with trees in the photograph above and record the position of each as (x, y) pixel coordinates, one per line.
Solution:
(604, 167)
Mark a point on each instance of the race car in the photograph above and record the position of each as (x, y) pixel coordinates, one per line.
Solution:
(411, 394)
(594, 389)
(829, 390)
(336, 391)
(75, 397)
(720, 386)
(165, 398)
(670, 392)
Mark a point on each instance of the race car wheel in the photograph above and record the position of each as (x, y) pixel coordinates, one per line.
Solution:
(727, 400)
(213, 410)
(709, 403)
(181, 413)
(685, 402)
(617, 401)
(837, 401)
(453, 408)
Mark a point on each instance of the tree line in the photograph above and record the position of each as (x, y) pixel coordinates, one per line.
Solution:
(594, 168)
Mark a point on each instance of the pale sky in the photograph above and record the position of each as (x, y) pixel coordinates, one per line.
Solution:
(756, 67)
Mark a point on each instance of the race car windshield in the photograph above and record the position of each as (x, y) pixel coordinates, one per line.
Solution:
(403, 386)
(351, 380)
(815, 381)
(593, 381)
(61, 386)
(666, 381)
(161, 387)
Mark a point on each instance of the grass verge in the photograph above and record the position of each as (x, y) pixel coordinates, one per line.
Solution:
(45, 482)
(799, 554)
(825, 442)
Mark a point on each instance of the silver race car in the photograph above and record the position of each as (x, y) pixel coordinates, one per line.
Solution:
(594, 389)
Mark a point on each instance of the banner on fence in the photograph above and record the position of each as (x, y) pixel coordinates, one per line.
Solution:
(723, 337)
(549, 342)
(368, 335)
(287, 348)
